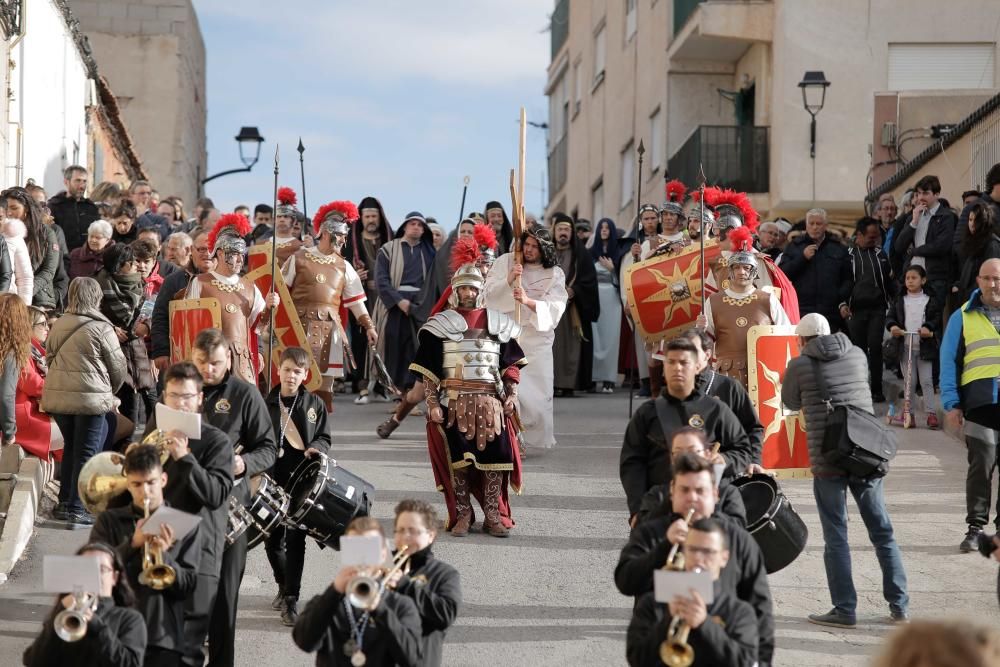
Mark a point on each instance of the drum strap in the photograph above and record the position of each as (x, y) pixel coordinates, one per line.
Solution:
(289, 431)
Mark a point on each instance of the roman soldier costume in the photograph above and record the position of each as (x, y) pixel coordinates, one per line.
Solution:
(671, 244)
(285, 246)
(470, 362)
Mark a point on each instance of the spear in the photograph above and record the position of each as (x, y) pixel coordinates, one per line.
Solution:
(701, 206)
(302, 169)
(638, 206)
(274, 260)
(465, 189)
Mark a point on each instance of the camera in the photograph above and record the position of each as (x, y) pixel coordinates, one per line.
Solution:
(986, 545)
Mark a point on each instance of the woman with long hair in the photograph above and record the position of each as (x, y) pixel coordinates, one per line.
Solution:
(37, 434)
(980, 244)
(116, 631)
(603, 245)
(15, 351)
(44, 250)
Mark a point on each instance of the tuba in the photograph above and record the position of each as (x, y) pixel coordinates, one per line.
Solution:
(363, 590)
(155, 573)
(102, 478)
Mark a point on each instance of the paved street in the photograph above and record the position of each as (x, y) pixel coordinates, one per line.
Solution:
(545, 596)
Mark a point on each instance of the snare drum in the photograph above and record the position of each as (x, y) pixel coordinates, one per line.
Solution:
(237, 522)
(778, 529)
(325, 498)
(268, 510)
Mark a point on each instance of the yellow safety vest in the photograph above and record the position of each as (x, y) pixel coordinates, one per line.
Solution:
(982, 347)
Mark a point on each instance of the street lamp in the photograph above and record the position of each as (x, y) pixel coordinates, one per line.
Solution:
(813, 85)
(249, 141)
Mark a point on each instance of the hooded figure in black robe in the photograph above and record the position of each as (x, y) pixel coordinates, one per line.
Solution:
(583, 308)
(505, 235)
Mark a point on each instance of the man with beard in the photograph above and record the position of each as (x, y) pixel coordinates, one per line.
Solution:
(497, 218)
(582, 307)
(320, 282)
(470, 361)
(360, 251)
(286, 243)
(240, 301)
(535, 294)
(401, 272)
(671, 239)
(642, 237)
(71, 210)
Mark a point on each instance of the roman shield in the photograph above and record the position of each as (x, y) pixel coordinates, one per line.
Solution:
(664, 293)
(288, 328)
(188, 317)
(769, 349)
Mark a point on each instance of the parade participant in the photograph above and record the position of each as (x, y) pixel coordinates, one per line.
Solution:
(200, 480)
(642, 241)
(729, 314)
(693, 487)
(388, 633)
(286, 242)
(645, 459)
(605, 254)
(470, 362)
(433, 585)
(401, 272)
(122, 527)
(241, 302)
(442, 260)
(698, 219)
(321, 282)
(299, 420)
(497, 218)
(672, 238)
(539, 302)
(116, 631)
(361, 252)
(237, 409)
(722, 633)
(656, 502)
(582, 307)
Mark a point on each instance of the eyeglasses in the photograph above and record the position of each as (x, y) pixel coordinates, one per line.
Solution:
(44, 325)
(180, 397)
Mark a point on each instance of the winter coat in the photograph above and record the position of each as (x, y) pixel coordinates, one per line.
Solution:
(937, 247)
(896, 317)
(845, 370)
(85, 262)
(823, 282)
(34, 427)
(6, 268)
(74, 216)
(873, 287)
(45, 269)
(23, 283)
(123, 296)
(969, 267)
(86, 366)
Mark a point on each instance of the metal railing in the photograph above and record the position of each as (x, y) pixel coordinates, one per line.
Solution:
(736, 157)
(559, 26)
(557, 166)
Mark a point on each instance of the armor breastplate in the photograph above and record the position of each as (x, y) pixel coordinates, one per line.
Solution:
(472, 358)
(235, 304)
(734, 317)
(287, 249)
(318, 285)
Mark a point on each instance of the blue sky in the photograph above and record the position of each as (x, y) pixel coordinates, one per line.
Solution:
(395, 99)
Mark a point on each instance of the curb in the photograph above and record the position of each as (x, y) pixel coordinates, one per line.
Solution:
(32, 475)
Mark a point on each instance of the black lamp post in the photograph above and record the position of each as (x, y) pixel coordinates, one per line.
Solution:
(249, 140)
(813, 85)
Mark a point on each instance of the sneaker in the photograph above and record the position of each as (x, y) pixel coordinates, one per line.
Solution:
(381, 398)
(362, 400)
(833, 619)
(899, 618)
(607, 390)
(971, 541)
(278, 603)
(83, 518)
(932, 421)
(59, 512)
(290, 613)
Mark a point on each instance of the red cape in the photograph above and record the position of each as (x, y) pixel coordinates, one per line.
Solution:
(789, 299)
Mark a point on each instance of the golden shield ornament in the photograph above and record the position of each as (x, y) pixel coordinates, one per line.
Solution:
(320, 278)
(222, 406)
(741, 321)
(231, 308)
(312, 416)
(696, 421)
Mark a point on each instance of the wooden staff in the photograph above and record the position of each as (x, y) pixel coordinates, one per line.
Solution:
(517, 206)
(274, 261)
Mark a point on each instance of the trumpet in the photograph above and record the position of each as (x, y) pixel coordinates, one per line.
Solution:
(364, 590)
(71, 624)
(155, 573)
(674, 650)
(675, 559)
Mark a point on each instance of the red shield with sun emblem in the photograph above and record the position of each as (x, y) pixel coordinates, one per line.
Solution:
(664, 293)
(769, 349)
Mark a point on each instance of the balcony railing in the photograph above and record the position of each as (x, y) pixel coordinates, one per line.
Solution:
(683, 9)
(557, 166)
(736, 157)
(559, 26)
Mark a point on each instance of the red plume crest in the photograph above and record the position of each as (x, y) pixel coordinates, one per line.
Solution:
(345, 208)
(740, 239)
(239, 223)
(465, 251)
(485, 236)
(741, 201)
(676, 191)
(287, 197)
(712, 193)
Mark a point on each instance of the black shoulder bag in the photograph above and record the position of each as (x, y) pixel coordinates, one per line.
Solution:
(855, 440)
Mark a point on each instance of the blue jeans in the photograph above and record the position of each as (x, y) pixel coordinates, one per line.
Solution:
(831, 500)
(83, 436)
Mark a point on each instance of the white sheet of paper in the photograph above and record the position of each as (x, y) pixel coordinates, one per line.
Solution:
(718, 469)
(361, 550)
(668, 584)
(188, 423)
(65, 574)
(182, 522)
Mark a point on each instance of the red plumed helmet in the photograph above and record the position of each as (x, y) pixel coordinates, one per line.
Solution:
(239, 223)
(742, 202)
(712, 193)
(346, 209)
(741, 239)
(465, 251)
(676, 191)
(287, 197)
(485, 236)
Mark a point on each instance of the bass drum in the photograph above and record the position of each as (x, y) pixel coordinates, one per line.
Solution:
(779, 531)
(268, 509)
(325, 498)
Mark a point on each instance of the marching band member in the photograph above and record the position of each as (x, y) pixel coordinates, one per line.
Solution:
(320, 282)
(241, 302)
(116, 631)
(723, 633)
(237, 409)
(387, 633)
(299, 420)
(693, 487)
(199, 481)
(433, 585)
(121, 527)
